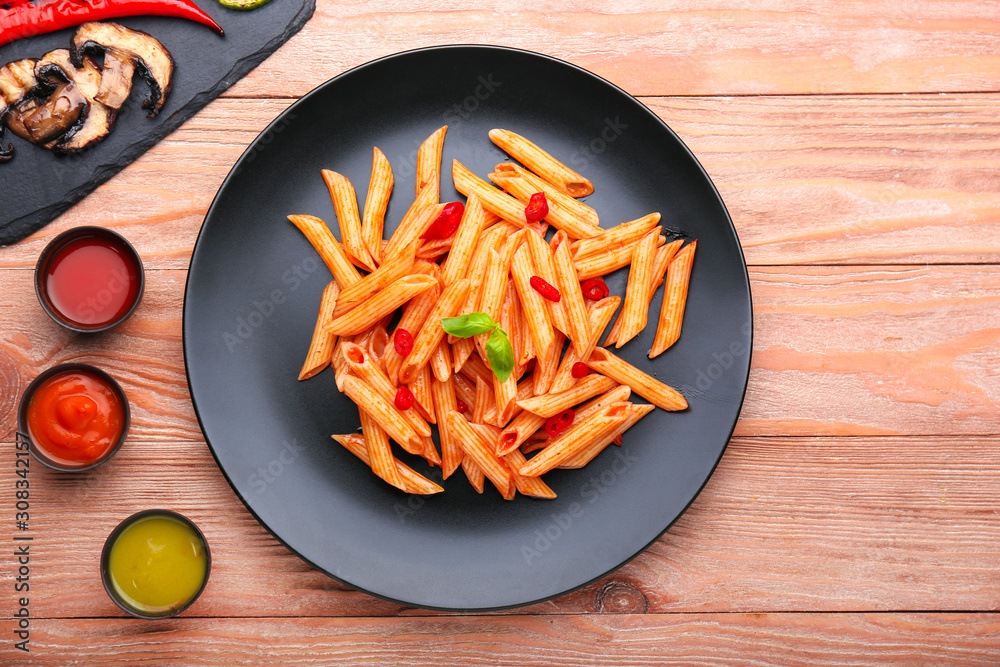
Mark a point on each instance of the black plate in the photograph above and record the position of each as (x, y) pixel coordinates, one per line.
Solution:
(253, 293)
(39, 185)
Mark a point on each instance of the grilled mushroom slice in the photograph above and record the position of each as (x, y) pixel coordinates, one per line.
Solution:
(128, 49)
(95, 120)
(43, 121)
(17, 80)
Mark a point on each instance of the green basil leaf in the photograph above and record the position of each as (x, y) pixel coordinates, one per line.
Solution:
(469, 325)
(500, 354)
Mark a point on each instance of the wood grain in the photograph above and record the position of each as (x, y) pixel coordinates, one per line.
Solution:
(676, 47)
(837, 351)
(874, 179)
(784, 524)
(672, 639)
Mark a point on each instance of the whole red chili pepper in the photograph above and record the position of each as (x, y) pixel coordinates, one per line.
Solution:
(537, 208)
(544, 288)
(447, 223)
(594, 289)
(24, 19)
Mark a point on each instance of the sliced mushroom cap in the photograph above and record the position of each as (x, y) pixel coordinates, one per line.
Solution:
(95, 120)
(17, 80)
(116, 78)
(42, 121)
(149, 56)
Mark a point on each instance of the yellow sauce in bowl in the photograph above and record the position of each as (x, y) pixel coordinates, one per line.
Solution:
(157, 565)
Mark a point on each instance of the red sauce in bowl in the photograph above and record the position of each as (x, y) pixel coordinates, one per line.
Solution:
(89, 278)
(75, 418)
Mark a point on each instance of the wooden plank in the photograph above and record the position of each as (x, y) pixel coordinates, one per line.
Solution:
(870, 350)
(877, 179)
(671, 639)
(680, 47)
(837, 351)
(784, 524)
(861, 180)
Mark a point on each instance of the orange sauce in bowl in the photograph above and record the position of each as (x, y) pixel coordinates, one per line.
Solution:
(75, 418)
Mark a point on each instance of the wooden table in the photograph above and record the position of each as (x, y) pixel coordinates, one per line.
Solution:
(853, 518)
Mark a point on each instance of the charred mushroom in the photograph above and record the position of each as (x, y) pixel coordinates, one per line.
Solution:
(85, 121)
(17, 81)
(124, 52)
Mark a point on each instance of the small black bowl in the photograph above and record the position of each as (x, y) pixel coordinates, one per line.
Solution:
(106, 557)
(24, 434)
(60, 242)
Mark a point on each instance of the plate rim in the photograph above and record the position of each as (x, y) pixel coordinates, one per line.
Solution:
(234, 171)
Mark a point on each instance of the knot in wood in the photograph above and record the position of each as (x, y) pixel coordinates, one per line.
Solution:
(621, 597)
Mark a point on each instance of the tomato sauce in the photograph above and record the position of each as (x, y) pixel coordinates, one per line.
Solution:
(92, 281)
(75, 418)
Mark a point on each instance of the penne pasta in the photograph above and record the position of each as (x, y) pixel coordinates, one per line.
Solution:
(543, 164)
(322, 343)
(413, 482)
(321, 238)
(477, 449)
(429, 163)
(388, 273)
(668, 328)
(474, 474)
(431, 333)
(445, 401)
(577, 320)
(549, 405)
(599, 314)
(578, 437)
(663, 256)
(635, 309)
(383, 463)
(420, 385)
(624, 234)
(422, 213)
(376, 203)
(384, 412)
(554, 195)
(587, 454)
(345, 203)
(440, 361)
(464, 243)
(381, 304)
(533, 306)
(559, 215)
(493, 200)
(363, 366)
(414, 314)
(544, 268)
(594, 266)
(529, 486)
(619, 370)
(496, 268)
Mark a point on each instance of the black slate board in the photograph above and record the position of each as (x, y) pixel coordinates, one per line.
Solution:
(37, 185)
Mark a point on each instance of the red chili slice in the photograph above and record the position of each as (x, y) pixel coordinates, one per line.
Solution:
(537, 208)
(404, 398)
(462, 407)
(544, 288)
(594, 289)
(580, 370)
(402, 340)
(447, 223)
(554, 426)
